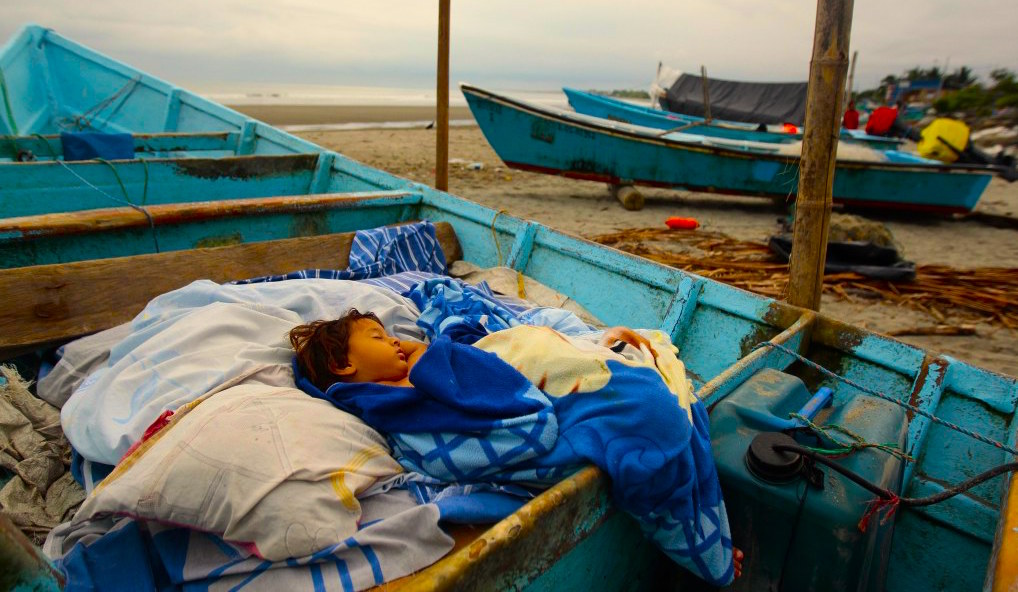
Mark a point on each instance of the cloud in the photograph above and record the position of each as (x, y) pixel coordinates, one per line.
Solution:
(516, 44)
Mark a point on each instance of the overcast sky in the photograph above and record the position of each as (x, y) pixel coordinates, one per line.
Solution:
(517, 44)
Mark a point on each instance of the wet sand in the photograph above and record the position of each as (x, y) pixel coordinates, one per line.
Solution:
(988, 239)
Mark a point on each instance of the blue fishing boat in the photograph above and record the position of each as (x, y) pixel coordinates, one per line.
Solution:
(554, 141)
(627, 112)
(51, 85)
(752, 361)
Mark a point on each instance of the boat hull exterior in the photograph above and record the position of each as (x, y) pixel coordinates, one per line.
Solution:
(543, 141)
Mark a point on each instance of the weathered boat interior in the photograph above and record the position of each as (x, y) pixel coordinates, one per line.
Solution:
(212, 194)
(50, 303)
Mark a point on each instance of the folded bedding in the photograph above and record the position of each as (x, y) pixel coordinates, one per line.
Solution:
(529, 404)
(187, 342)
(226, 473)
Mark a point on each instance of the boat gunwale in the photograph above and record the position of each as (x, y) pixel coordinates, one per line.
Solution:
(168, 160)
(143, 144)
(725, 124)
(99, 220)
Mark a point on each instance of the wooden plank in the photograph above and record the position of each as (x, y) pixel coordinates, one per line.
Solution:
(50, 303)
(46, 147)
(105, 219)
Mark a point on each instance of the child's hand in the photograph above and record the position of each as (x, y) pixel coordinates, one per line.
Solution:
(626, 335)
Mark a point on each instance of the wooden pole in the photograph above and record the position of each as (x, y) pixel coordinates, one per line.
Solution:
(851, 77)
(442, 119)
(706, 93)
(819, 149)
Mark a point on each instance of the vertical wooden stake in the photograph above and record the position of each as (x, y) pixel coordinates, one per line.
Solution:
(851, 77)
(706, 93)
(442, 120)
(819, 150)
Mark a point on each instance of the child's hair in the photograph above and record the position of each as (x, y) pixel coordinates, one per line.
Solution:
(322, 345)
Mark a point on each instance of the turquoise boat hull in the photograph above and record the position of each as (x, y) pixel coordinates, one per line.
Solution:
(570, 537)
(626, 112)
(558, 142)
(54, 85)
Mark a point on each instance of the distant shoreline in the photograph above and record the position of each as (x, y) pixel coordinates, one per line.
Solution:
(339, 114)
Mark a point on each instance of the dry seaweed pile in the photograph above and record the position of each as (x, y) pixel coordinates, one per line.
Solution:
(985, 293)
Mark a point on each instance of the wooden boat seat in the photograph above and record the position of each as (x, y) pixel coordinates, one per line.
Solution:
(47, 147)
(48, 304)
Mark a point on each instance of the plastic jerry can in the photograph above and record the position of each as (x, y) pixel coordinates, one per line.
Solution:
(796, 536)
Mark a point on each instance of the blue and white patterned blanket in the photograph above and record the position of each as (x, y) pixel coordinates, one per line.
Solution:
(475, 415)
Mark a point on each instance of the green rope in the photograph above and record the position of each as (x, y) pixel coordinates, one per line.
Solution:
(144, 188)
(14, 146)
(49, 147)
(123, 188)
(13, 125)
(148, 216)
(843, 448)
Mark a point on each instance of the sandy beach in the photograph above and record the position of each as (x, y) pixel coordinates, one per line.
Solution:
(987, 239)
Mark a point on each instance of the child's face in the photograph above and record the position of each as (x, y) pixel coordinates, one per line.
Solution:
(374, 355)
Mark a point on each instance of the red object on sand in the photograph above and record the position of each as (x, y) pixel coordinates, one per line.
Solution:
(676, 223)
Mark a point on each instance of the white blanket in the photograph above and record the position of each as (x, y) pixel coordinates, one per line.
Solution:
(192, 340)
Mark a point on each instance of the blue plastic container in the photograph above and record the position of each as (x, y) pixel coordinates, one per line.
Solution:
(798, 537)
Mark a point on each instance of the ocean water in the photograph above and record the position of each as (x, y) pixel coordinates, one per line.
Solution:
(356, 96)
(311, 94)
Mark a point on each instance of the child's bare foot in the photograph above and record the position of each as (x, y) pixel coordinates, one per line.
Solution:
(737, 557)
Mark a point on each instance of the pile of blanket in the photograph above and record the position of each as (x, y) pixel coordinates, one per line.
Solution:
(529, 404)
(227, 474)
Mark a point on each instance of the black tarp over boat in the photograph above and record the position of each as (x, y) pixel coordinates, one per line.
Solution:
(753, 102)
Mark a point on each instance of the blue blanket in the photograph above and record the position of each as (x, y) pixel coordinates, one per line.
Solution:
(470, 416)
(461, 314)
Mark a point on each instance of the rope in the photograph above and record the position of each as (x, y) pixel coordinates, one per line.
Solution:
(43, 139)
(144, 188)
(888, 499)
(15, 150)
(850, 447)
(521, 289)
(494, 235)
(87, 116)
(151, 222)
(12, 124)
(116, 175)
(880, 395)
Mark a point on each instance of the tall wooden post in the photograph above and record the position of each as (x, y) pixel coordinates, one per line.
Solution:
(819, 149)
(851, 78)
(706, 93)
(442, 119)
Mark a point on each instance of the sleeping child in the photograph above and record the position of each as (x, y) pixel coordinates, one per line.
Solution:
(355, 348)
(529, 405)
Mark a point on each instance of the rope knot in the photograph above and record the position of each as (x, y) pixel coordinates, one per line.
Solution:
(875, 507)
